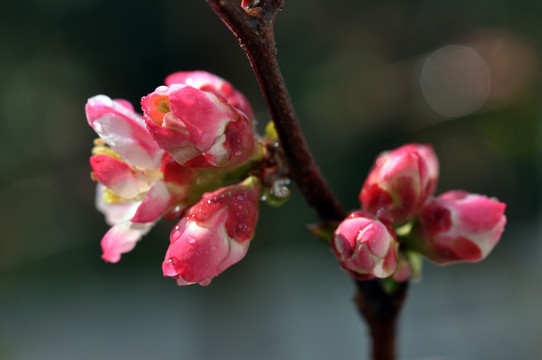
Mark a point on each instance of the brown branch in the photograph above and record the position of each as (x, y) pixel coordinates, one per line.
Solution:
(381, 311)
(254, 29)
(252, 24)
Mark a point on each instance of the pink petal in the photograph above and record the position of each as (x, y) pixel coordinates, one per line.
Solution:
(124, 131)
(176, 173)
(155, 204)
(203, 115)
(116, 175)
(122, 238)
(211, 83)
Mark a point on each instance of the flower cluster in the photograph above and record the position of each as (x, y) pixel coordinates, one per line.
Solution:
(194, 155)
(185, 157)
(402, 217)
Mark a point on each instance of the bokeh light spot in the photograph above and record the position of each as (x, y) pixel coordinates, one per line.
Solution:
(454, 81)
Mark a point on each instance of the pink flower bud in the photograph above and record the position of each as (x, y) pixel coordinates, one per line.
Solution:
(400, 182)
(365, 247)
(458, 226)
(198, 128)
(213, 234)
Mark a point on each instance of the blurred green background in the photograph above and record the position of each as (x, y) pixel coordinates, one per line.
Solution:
(365, 77)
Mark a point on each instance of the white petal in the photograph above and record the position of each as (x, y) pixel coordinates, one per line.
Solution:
(115, 213)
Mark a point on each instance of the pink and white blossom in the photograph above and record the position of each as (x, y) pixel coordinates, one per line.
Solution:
(213, 234)
(459, 227)
(365, 247)
(135, 187)
(400, 182)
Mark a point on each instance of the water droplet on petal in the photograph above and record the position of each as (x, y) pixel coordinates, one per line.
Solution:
(191, 240)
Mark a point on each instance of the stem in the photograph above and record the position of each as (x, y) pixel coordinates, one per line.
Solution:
(252, 24)
(381, 311)
(254, 29)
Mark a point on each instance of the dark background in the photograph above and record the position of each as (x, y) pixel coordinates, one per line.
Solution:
(364, 77)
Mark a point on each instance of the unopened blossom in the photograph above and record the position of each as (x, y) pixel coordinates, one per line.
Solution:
(213, 234)
(400, 182)
(137, 181)
(202, 122)
(365, 247)
(459, 227)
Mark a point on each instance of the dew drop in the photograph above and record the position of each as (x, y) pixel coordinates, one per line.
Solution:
(191, 240)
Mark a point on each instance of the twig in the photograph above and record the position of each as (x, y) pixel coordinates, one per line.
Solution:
(253, 26)
(381, 311)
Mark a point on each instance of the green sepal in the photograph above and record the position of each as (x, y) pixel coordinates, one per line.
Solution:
(271, 134)
(207, 180)
(405, 229)
(389, 285)
(416, 263)
(323, 231)
(251, 181)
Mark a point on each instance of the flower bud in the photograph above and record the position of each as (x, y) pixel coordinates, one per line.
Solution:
(400, 182)
(213, 234)
(458, 226)
(365, 247)
(198, 128)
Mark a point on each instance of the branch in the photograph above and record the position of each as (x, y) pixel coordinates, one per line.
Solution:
(381, 311)
(252, 24)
